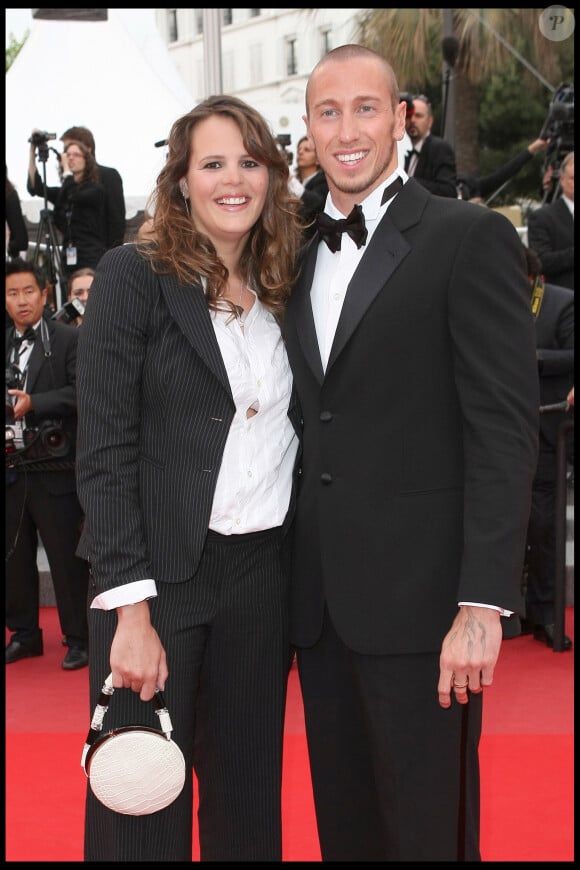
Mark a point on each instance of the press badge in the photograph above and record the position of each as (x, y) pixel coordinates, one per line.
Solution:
(71, 256)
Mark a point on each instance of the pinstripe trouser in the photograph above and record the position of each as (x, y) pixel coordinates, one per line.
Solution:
(226, 638)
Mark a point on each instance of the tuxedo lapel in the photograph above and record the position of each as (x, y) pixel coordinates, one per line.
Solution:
(188, 308)
(304, 318)
(37, 358)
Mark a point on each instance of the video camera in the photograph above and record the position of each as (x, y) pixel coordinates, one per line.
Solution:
(559, 126)
(283, 141)
(40, 137)
(70, 311)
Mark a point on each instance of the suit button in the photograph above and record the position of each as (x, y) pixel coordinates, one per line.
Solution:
(325, 416)
(325, 477)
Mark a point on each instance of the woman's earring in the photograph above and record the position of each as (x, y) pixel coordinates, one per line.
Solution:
(183, 189)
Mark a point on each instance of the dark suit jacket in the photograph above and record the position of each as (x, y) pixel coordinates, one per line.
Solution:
(114, 205)
(51, 383)
(436, 169)
(148, 458)
(313, 200)
(420, 441)
(551, 235)
(555, 347)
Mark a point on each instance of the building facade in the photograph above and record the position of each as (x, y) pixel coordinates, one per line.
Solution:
(263, 56)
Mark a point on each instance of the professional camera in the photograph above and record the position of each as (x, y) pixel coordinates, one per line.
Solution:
(283, 141)
(560, 121)
(70, 311)
(40, 137)
(41, 443)
(47, 441)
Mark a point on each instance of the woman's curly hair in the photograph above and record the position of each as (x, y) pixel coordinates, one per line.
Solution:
(268, 262)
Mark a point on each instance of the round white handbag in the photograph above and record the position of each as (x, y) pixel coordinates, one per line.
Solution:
(133, 770)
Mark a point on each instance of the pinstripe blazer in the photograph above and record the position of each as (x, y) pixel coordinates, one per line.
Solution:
(155, 408)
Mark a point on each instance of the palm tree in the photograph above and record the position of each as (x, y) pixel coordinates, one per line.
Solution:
(411, 40)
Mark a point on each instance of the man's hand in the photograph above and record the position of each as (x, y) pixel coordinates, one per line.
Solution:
(469, 652)
(22, 405)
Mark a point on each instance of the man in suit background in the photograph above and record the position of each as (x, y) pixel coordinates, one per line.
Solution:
(419, 450)
(551, 230)
(111, 181)
(431, 160)
(555, 351)
(40, 480)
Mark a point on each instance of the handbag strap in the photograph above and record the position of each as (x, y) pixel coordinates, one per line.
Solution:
(103, 705)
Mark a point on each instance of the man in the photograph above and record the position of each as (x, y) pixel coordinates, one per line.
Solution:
(414, 363)
(551, 230)
(555, 350)
(40, 473)
(431, 160)
(111, 181)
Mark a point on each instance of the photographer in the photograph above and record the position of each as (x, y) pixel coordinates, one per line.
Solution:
(111, 181)
(79, 204)
(41, 498)
(79, 285)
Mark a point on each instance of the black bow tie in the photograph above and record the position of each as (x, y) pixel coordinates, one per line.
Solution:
(408, 157)
(29, 334)
(331, 230)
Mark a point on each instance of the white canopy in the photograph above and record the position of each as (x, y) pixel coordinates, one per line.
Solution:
(115, 77)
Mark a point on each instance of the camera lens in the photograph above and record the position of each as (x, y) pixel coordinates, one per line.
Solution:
(55, 441)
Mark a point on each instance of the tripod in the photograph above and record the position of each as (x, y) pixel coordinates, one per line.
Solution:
(47, 249)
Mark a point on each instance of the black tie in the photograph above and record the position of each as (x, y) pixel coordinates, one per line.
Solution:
(331, 230)
(408, 156)
(28, 335)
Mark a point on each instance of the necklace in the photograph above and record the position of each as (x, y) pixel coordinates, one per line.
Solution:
(240, 308)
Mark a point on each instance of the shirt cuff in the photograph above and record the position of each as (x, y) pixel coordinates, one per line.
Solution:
(502, 610)
(130, 593)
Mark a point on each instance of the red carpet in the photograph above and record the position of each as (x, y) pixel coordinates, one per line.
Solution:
(526, 752)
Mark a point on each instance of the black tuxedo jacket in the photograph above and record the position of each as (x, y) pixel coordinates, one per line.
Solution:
(51, 383)
(436, 169)
(163, 442)
(420, 439)
(551, 235)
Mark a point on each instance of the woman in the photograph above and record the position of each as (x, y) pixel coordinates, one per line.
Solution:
(309, 184)
(79, 207)
(185, 467)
